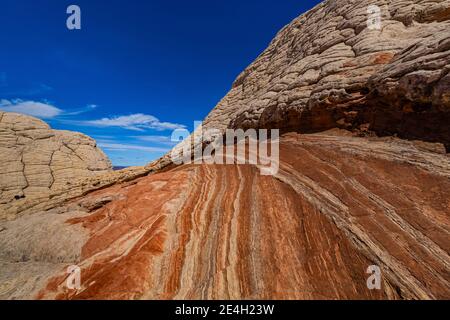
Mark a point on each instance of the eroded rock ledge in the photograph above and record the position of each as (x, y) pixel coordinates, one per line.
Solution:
(326, 69)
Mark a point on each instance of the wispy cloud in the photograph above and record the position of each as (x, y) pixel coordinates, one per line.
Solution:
(40, 109)
(75, 112)
(32, 108)
(166, 140)
(136, 122)
(102, 137)
(126, 147)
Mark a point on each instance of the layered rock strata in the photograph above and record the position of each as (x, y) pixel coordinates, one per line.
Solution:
(342, 201)
(338, 205)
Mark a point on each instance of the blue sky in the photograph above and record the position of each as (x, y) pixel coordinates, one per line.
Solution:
(136, 70)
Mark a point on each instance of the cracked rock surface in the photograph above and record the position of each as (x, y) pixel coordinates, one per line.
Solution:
(36, 160)
(343, 199)
(327, 69)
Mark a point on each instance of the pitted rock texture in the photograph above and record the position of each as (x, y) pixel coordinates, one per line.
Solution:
(36, 160)
(338, 205)
(327, 69)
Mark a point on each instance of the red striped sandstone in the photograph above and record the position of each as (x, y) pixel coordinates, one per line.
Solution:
(338, 205)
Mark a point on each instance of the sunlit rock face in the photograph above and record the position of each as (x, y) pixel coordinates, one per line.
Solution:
(363, 181)
(332, 68)
(338, 205)
(36, 160)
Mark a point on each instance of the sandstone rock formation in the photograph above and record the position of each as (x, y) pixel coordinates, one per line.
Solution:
(342, 200)
(327, 69)
(36, 160)
(338, 205)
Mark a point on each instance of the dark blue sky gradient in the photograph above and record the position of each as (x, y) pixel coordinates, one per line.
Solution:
(171, 59)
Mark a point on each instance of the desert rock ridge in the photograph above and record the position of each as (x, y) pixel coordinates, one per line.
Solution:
(327, 69)
(373, 190)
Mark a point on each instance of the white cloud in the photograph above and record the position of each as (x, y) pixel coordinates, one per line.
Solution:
(32, 108)
(137, 122)
(43, 109)
(125, 147)
(88, 108)
(157, 139)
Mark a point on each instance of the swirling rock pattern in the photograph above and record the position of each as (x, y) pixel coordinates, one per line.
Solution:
(338, 205)
(342, 200)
